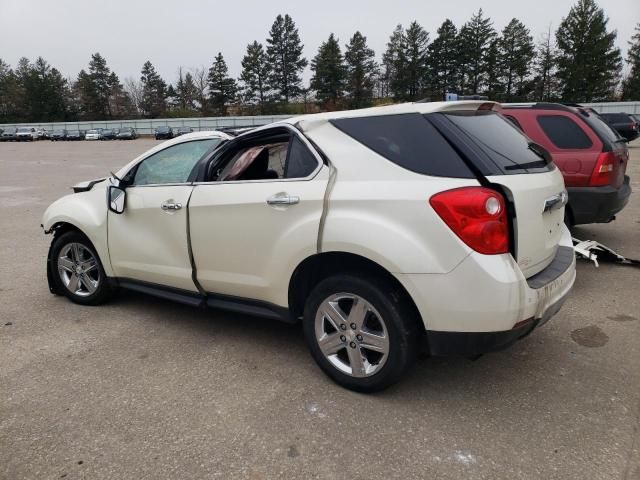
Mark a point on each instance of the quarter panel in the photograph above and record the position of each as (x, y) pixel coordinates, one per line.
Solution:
(392, 223)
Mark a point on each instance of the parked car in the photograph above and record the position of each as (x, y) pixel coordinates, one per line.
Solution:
(26, 134)
(592, 158)
(94, 134)
(164, 133)
(9, 134)
(369, 226)
(74, 135)
(56, 135)
(127, 133)
(40, 133)
(623, 123)
(46, 134)
(183, 131)
(108, 134)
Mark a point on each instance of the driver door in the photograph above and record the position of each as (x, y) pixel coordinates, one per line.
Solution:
(148, 241)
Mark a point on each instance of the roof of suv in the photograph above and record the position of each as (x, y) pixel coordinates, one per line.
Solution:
(307, 121)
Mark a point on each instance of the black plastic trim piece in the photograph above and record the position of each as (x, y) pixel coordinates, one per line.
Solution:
(214, 300)
(186, 297)
(560, 263)
(249, 307)
(469, 344)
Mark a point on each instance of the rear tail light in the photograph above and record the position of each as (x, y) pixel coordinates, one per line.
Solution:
(603, 171)
(477, 215)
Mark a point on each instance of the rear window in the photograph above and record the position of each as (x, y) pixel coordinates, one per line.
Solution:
(564, 132)
(604, 131)
(616, 117)
(505, 146)
(408, 140)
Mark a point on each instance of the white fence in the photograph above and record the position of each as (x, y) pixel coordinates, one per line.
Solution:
(632, 108)
(147, 126)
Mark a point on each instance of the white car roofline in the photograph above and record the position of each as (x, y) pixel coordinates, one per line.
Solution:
(314, 119)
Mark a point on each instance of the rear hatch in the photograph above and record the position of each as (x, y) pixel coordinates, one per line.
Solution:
(508, 160)
(613, 145)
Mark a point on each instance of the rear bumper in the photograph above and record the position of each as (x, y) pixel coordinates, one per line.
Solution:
(598, 204)
(486, 304)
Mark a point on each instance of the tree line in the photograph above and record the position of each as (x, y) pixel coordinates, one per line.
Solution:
(579, 63)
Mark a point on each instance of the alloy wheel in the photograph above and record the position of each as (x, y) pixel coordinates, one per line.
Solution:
(78, 269)
(352, 335)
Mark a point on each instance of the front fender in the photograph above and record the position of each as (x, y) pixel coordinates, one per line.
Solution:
(86, 211)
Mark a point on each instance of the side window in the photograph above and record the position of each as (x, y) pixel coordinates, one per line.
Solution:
(300, 162)
(173, 164)
(279, 157)
(564, 132)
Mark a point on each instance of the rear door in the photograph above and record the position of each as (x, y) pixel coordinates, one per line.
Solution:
(259, 218)
(504, 156)
(574, 146)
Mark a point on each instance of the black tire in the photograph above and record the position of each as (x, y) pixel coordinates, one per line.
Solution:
(399, 318)
(103, 291)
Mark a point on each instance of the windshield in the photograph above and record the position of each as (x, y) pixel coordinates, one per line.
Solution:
(162, 129)
(126, 130)
(24, 129)
(92, 131)
(74, 132)
(107, 132)
(58, 132)
(10, 130)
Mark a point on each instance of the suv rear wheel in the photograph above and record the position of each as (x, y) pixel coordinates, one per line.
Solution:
(77, 270)
(362, 333)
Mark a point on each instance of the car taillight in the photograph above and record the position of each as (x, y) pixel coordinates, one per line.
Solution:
(603, 171)
(477, 215)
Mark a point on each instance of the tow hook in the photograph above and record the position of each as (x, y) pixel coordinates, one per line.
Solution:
(597, 252)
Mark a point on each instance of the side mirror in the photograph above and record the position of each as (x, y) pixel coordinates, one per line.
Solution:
(116, 199)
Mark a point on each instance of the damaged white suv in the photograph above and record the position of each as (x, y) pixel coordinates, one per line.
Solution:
(384, 230)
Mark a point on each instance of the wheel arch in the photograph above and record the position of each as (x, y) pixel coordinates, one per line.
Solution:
(317, 267)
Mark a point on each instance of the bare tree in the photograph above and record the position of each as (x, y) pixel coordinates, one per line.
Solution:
(201, 81)
(133, 87)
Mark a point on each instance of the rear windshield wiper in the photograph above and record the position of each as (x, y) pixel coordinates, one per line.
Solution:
(525, 166)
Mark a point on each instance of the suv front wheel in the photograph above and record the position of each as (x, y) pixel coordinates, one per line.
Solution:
(77, 270)
(361, 332)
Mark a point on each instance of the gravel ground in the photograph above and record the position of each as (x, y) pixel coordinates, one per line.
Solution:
(142, 388)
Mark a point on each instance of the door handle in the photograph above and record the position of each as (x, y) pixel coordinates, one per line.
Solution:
(170, 206)
(283, 199)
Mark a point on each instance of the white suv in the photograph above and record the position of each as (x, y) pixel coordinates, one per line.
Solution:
(383, 230)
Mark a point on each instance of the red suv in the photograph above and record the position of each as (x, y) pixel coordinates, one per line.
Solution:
(591, 156)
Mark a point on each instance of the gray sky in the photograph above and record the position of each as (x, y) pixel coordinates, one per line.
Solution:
(191, 32)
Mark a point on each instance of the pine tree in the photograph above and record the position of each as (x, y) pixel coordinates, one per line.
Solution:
(222, 88)
(255, 76)
(474, 39)
(443, 61)
(361, 69)
(186, 92)
(417, 41)
(588, 61)
(395, 62)
(494, 87)
(102, 85)
(516, 52)
(153, 102)
(329, 74)
(284, 54)
(631, 85)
